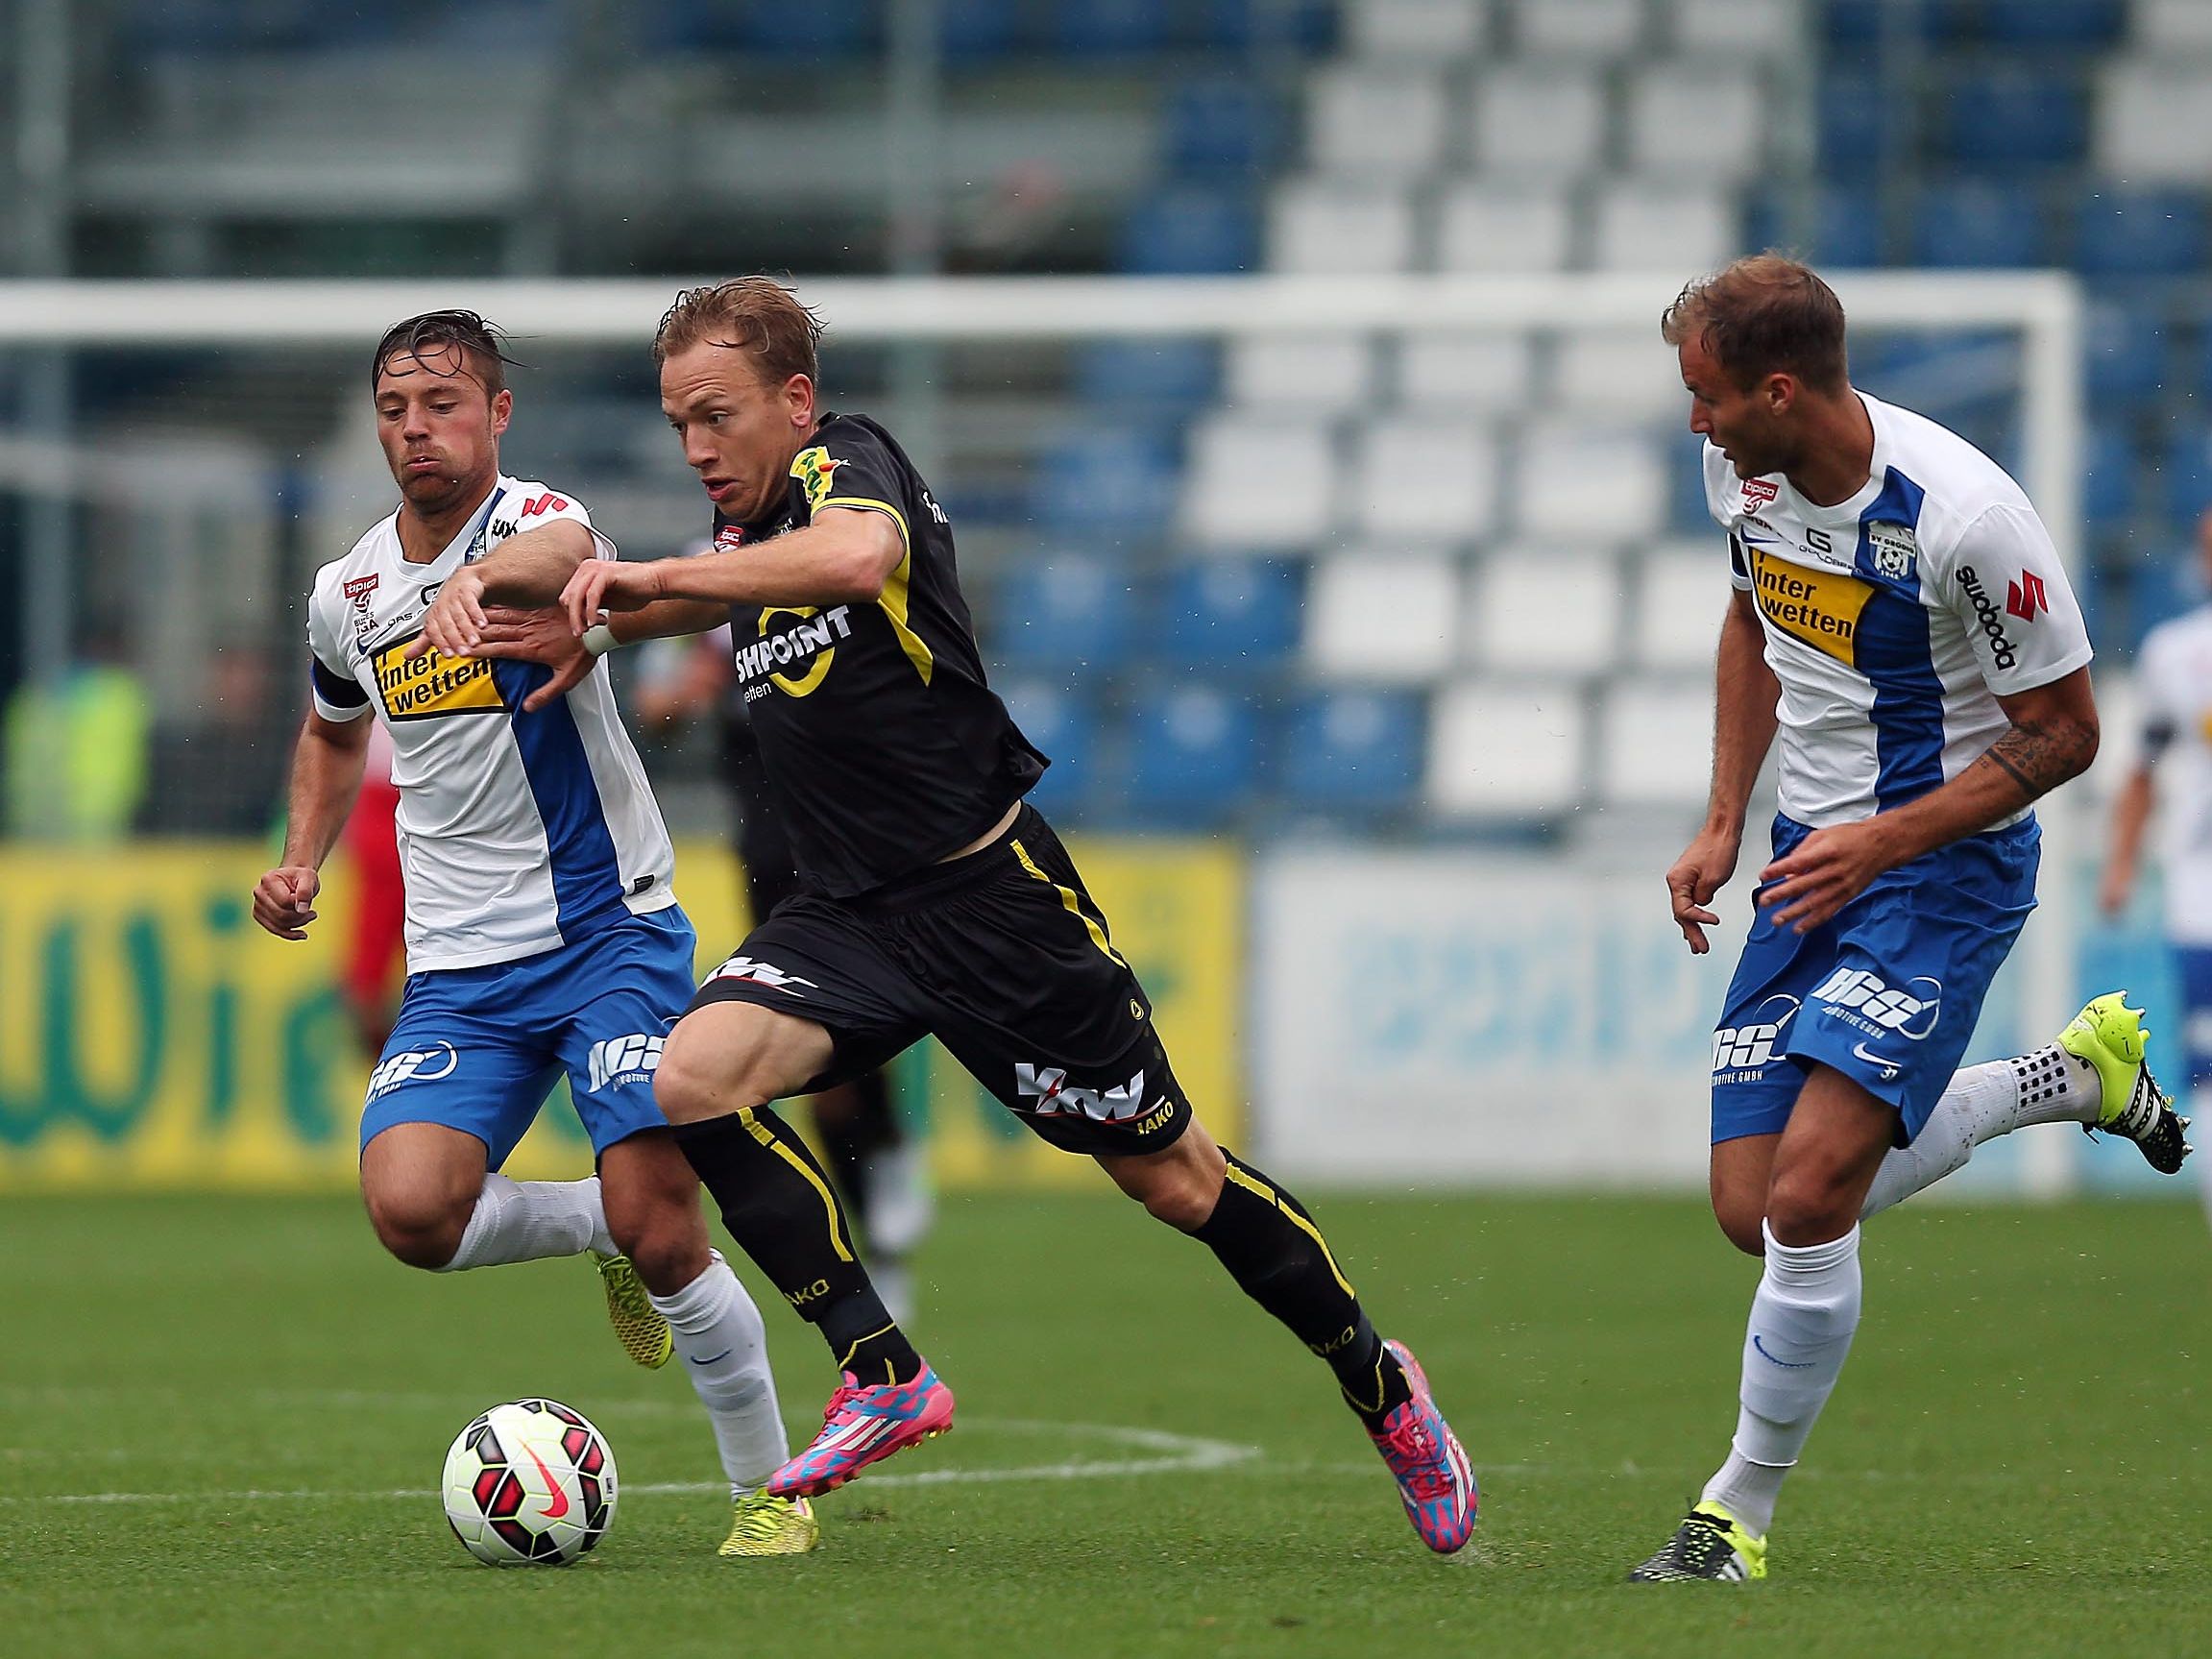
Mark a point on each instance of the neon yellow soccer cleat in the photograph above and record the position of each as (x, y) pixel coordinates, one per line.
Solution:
(769, 1525)
(637, 1323)
(1711, 1543)
(2110, 1036)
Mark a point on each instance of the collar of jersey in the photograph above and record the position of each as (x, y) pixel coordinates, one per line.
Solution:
(469, 532)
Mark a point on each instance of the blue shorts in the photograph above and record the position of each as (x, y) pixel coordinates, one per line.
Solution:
(478, 1049)
(1886, 993)
(2193, 971)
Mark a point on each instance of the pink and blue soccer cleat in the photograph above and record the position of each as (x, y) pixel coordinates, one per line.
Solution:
(1434, 1481)
(864, 1426)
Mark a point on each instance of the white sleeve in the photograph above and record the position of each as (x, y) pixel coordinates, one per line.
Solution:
(338, 695)
(2160, 710)
(2009, 592)
(538, 505)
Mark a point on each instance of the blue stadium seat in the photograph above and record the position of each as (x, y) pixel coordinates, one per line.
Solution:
(1190, 230)
(1063, 720)
(1977, 223)
(1306, 26)
(2012, 117)
(2109, 490)
(1846, 225)
(1150, 379)
(1866, 22)
(1062, 614)
(1232, 615)
(1111, 28)
(1352, 750)
(2140, 234)
(2161, 589)
(1194, 756)
(2187, 474)
(2123, 351)
(2053, 22)
(823, 29)
(1220, 125)
(976, 31)
(1106, 483)
(1857, 124)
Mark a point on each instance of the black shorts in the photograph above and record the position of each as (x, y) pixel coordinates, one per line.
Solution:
(1003, 957)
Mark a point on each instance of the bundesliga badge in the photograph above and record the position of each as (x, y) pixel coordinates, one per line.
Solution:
(1894, 550)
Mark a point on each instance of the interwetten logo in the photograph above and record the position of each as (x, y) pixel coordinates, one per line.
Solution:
(1820, 607)
(632, 1059)
(433, 684)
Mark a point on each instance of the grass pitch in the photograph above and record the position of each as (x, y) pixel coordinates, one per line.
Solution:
(220, 1420)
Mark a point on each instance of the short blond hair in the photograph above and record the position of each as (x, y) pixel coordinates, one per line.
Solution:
(756, 315)
(1765, 314)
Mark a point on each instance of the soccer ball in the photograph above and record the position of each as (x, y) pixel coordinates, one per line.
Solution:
(530, 1483)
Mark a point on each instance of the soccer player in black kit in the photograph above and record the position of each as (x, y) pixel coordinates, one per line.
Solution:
(936, 902)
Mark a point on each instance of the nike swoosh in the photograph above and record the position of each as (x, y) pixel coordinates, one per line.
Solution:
(1861, 1050)
(557, 1500)
(1786, 1364)
(724, 1355)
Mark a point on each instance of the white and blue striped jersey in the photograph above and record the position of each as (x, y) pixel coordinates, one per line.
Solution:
(519, 833)
(1896, 620)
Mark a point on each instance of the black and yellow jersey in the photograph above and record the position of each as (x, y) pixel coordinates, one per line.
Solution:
(885, 747)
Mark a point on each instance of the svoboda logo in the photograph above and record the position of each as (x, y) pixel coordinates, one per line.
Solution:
(432, 683)
(2000, 648)
(812, 641)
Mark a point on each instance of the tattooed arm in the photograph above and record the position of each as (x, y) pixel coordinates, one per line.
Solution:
(2053, 738)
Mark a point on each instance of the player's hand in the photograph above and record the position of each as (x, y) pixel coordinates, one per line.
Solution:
(609, 585)
(1702, 870)
(456, 620)
(536, 636)
(1825, 872)
(284, 900)
(2114, 891)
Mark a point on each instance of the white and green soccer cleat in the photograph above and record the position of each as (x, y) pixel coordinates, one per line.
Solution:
(2110, 1036)
(764, 1525)
(1710, 1544)
(639, 1326)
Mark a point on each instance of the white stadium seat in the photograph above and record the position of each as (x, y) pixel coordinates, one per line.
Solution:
(1320, 227)
(1630, 377)
(1387, 617)
(1580, 480)
(1655, 743)
(1580, 28)
(1375, 122)
(1482, 229)
(1739, 31)
(1318, 373)
(2153, 123)
(1489, 372)
(1536, 610)
(1640, 227)
(1538, 122)
(1433, 31)
(1682, 594)
(1423, 480)
(1505, 749)
(1694, 121)
(2171, 26)
(1255, 483)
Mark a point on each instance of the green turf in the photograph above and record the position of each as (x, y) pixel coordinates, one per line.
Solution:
(2015, 1463)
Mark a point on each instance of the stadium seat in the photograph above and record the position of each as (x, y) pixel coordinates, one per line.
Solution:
(1306, 26)
(2171, 26)
(2123, 351)
(2140, 234)
(2111, 491)
(1699, 121)
(1849, 23)
(1062, 616)
(1539, 611)
(1256, 483)
(2012, 117)
(1843, 231)
(1540, 121)
(1681, 593)
(1169, 376)
(1221, 126)
(1429, 31)
(1369, 122)
(976, 31)
(1857, 128)
(1632, 377)
(1062, 720)
(1978, 224)
(1111, 28)
(2153, 123)
(1577, 478)
(1107, 482)
(1739, 31)
(1190, 230)
(2188, 474)
(1487, 371)
(1655, 743)
(1389, 619)
(1194, 755)
(1506, 750)
(1486, 229)
(2086, 23)
(1424, 480)
(1352, 750)
(1238, 616)
(1340, 228)
(764, 29)
(1598, 29)
(1640, 227)
(1318, 373)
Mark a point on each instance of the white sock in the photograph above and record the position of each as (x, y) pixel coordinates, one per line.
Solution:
(525, 1220)
(1802, 1320)
(724, 1348)
(2057, 1087)
(1981, 1102)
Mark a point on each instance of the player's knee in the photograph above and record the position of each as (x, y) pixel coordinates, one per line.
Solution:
(1180, 1194)
(423, 1230)
(1739, 1224)
(1806, 1206)
(667, 1253)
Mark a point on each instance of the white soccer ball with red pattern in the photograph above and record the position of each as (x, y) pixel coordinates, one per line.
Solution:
(530, 1483)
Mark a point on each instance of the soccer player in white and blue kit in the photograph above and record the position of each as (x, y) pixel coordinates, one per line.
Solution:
(544, 937)
(1901, 618)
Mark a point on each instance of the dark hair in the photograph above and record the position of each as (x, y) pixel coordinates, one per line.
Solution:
(1765, 314)
(482, 343)
(757, 315)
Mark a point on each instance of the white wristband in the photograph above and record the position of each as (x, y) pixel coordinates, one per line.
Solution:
(599, 639)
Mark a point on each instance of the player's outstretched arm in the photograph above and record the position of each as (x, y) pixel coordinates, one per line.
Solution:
(844, 557)
(529, 569)
(2131, 815)
(326, 766)
(1745, 692)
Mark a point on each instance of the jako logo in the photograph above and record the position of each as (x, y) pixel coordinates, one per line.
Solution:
(1049, 1086)
(1854, 988)
(2026, 596)
(628, 1059)
(2001, 651)
(414, 1065)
